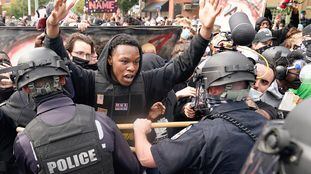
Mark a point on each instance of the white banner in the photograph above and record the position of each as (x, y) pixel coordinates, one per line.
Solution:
(253, 8)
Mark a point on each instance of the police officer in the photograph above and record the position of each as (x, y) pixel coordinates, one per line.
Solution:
(283, 147)
(64, 137)
(221, 141)
(119, 88)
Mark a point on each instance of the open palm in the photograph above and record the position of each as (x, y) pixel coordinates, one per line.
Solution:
(60, 11)
(209, 10)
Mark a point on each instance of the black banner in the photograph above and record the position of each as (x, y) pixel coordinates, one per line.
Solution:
(17, 40)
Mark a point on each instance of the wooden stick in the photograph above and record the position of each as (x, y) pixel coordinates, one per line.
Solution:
(153, 125)
(160, 125)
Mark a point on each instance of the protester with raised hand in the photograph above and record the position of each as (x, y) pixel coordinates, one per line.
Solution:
(119, 88)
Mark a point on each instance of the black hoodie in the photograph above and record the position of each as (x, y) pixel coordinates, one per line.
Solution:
(157, 82)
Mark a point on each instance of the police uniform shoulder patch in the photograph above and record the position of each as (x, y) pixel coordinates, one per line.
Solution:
(181, 132)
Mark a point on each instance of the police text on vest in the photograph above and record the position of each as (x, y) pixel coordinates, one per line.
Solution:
(73, 161)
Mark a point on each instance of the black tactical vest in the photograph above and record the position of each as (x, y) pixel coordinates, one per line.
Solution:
(72, 147)
(122, 104)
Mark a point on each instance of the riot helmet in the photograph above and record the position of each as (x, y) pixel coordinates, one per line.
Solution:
(39, 63)
(226, 68)
(274, 54)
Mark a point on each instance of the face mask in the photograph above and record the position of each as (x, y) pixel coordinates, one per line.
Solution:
(255, 95)
(5, 94)
(185, 34)
(91, 66)
(79, 61)
(295, 84)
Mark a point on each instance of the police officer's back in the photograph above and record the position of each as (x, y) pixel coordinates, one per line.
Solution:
(219, 143)
(64, 137)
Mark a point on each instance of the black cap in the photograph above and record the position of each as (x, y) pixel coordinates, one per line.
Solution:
(263, 35)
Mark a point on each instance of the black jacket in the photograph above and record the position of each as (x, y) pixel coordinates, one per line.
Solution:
(158, 82)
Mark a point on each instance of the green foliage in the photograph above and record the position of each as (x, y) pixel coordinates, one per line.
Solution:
(19, 8)
(125, 5)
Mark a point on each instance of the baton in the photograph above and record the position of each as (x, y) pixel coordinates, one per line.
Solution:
(153, 125)
(160, 125)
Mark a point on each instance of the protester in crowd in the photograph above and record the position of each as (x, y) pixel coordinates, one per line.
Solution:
(57, 122)
(263, 40)
(304, 91)
(280, 34)
(303, 19)
(149, 48)
(293, 39)
(287, 69)
(7, 133)
(6, 85)
(305, 47)
(211, 145)
(119, 88)
(81, 50)
(264, 77)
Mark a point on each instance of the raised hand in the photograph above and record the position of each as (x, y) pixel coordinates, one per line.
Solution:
(209, 10)
(60, 11)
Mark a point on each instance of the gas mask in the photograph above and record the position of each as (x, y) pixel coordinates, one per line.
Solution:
(185, 34)
(254, 94)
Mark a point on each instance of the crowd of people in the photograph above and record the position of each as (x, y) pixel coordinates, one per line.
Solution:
(62, 102)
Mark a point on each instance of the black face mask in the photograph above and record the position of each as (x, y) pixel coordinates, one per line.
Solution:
(84, 63)
(79, 61)
(262, 49)
(5, 94)
(295, 84)
(91, 66)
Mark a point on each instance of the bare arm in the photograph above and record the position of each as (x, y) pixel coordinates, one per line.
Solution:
(142, 146)
(209, 10)
(60, 11)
